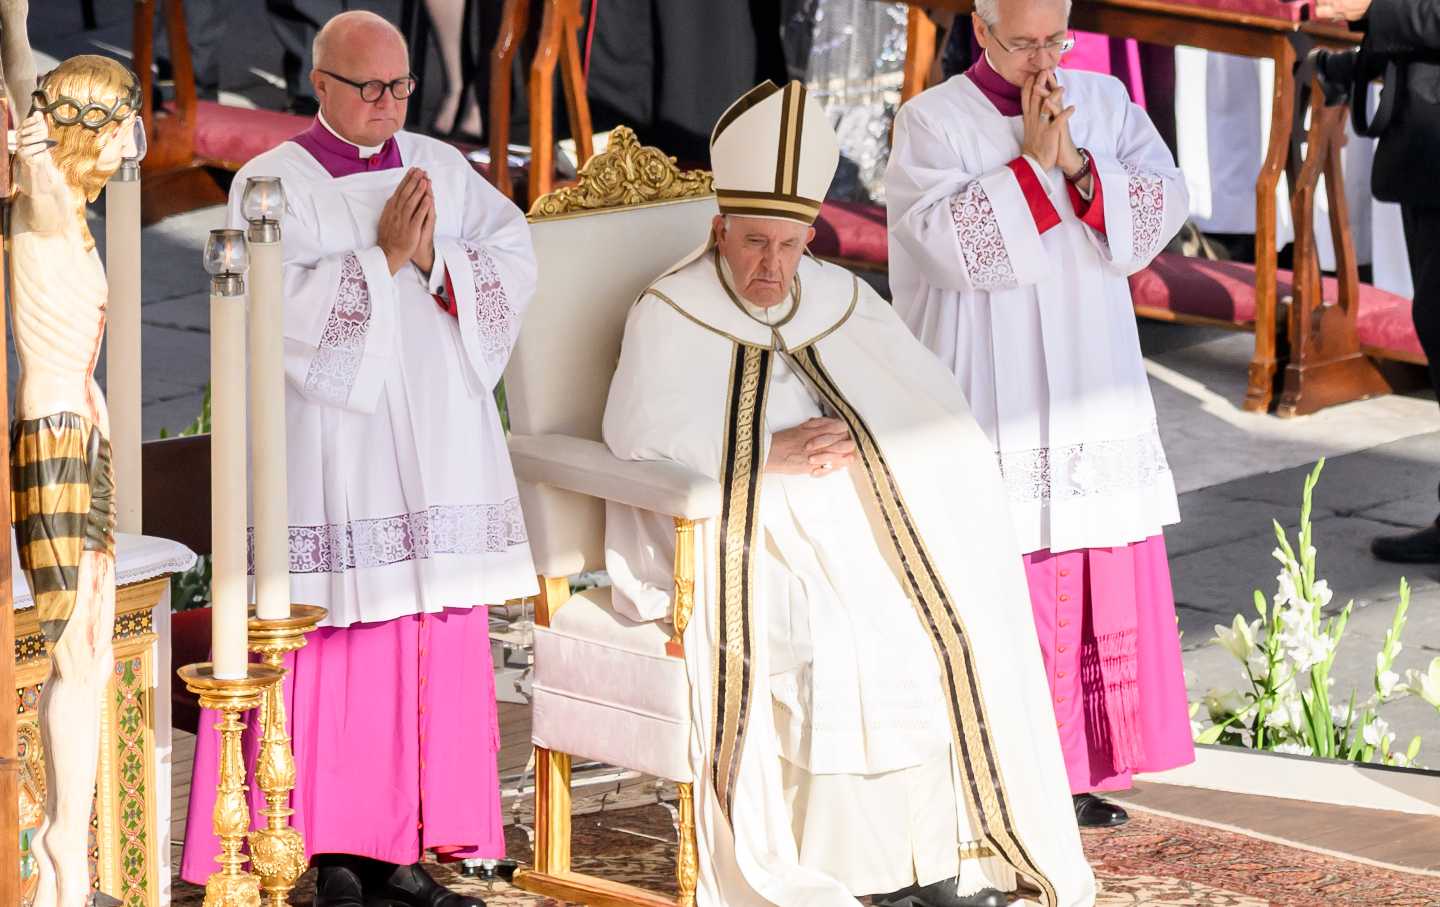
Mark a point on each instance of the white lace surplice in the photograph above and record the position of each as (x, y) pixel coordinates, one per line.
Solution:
(401, 495)
(1038, 327)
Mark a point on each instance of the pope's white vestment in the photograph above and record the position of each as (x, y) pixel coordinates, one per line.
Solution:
(868, 699)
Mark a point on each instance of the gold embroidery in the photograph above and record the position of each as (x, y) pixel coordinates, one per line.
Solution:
(984, 793)
(738, 532)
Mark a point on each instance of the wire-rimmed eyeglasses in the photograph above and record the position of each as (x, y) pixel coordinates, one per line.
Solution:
(1056, 48)
(371, 91)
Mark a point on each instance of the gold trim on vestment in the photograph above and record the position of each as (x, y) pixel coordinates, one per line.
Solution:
(849, 310)
(712, 329)
(739, 531)
(984, 788)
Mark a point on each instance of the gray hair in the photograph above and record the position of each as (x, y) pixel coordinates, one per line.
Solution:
(989, 11)
(350, 18)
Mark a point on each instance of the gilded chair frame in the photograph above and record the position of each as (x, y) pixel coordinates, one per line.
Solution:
(626, 175)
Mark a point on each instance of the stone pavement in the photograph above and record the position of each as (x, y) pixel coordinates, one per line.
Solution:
(1236, 471)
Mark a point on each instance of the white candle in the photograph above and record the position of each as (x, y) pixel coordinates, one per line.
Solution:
(122, 340)
(263, 203)
(229, 634)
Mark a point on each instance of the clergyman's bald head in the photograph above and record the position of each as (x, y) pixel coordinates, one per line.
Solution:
(353, 30)
(351, 50)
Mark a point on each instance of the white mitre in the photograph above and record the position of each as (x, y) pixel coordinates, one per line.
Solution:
(773, 154)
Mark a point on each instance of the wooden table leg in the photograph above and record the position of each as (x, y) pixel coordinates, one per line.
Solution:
(1263, 364)
(515, 19)
(920, 36)
(1326, 365)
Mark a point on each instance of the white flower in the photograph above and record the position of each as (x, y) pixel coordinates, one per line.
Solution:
(1287, 594)
(1321, 590)
(1221, 704)
(1259, 666)
(1307, 652)
(1294, 749)
(1377, 731)
(1426, 683)
(1238, 639)
(1388, 681)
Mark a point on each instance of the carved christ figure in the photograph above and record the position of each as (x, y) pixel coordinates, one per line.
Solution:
(62, 501)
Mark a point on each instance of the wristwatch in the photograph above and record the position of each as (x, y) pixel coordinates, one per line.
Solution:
(1084, 168)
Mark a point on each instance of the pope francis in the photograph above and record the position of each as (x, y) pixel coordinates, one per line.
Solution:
(870, 712)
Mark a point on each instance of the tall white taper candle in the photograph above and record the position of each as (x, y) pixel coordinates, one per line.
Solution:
(122, 340)
(263, 204)
(229, 636)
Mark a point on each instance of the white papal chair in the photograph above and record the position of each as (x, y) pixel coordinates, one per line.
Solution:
(605, 688)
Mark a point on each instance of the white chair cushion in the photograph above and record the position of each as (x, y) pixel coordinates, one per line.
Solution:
(604, 689)
(590, 615)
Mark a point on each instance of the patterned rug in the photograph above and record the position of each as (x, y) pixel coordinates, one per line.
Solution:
(1154, 860)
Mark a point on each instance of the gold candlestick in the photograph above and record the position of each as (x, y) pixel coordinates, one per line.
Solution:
(277, 851)
(231, 885)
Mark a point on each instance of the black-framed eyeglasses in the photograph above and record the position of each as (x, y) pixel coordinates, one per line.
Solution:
(1055, 48)
(374, 89)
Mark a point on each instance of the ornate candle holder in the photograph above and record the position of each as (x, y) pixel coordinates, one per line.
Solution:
(277, 851)
(231, 885)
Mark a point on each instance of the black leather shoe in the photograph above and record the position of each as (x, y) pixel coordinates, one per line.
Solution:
(1419, 547)
(942, 894)
(411, 886)
(1092, 812)
(338, 886)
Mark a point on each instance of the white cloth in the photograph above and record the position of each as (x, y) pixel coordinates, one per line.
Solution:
(1039, 327)
(843, 666)
(1223, 111)
(881, 833)
(137, 558)
(401, 495)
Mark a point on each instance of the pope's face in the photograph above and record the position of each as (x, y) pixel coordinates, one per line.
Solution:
(364, 54)
(763, 253)
(1015, 43)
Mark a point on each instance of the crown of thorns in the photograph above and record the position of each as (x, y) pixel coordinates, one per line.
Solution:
(67, 111)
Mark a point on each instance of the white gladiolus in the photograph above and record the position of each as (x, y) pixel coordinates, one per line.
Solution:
(1389, 682)
(1287, 657)
(1238, 639)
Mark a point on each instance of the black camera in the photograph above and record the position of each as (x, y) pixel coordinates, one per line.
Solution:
(1345, 77)
(1336, 70)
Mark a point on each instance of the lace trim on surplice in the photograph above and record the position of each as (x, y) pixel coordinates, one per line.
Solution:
(470, 529)
(987, 261)
(336, 363)
(1088, 469)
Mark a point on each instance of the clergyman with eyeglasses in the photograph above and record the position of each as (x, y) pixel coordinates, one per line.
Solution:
(405, 276)
(1021, 197)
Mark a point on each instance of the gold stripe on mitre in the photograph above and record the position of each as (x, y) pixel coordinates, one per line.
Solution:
(767, 204)
(792, 122)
